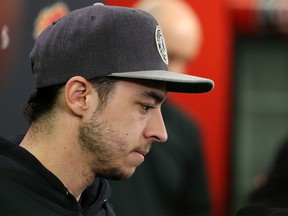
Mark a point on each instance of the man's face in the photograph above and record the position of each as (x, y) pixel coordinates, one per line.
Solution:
(117, 138)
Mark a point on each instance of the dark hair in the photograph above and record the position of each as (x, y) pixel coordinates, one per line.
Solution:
(43, 100)
(105, 87)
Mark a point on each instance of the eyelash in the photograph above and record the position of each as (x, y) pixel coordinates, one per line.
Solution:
(146, 108)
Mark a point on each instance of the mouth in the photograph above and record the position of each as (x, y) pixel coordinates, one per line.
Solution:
(139, 155)
(142, 152)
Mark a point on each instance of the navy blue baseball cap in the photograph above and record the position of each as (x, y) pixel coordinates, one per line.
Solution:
(100, 41)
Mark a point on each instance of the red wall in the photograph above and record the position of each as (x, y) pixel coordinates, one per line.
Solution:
(211, 110)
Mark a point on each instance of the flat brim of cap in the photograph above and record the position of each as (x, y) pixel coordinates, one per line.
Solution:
(175, 82)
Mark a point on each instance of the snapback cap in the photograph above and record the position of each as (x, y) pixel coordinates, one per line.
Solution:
(99, 41)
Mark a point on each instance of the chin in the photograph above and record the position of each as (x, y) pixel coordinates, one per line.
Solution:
(123, 175)
(117, 174)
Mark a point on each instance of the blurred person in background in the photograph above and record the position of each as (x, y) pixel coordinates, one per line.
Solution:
(173, 180)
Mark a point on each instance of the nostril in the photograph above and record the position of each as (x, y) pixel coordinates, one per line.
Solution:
(161, 138)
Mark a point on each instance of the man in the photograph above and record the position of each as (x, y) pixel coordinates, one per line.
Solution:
(101, 77)
(173, 179)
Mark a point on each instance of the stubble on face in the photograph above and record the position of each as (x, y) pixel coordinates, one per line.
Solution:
(103, 142)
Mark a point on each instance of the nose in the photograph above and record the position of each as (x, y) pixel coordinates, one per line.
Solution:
(156, 130)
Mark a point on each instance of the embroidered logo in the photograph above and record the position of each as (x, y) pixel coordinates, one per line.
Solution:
(48, 15)
(160, 42)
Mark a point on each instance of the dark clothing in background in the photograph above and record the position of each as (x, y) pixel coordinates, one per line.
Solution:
(260, 210)
(274, 193)
(28, 188)
(172, 179)
(272, 197)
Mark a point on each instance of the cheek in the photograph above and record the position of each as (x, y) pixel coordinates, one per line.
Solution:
(127, 121)
(133, 132)
(131, 129)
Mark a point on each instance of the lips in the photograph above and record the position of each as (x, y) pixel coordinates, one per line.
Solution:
(142, 152)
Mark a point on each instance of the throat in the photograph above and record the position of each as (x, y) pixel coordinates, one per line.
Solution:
(78, 182)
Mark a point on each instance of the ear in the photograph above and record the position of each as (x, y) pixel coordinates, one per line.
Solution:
(77, 94)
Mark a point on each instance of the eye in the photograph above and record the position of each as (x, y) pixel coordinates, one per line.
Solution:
(146, 108)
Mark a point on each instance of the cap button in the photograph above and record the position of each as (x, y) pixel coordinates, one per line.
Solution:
(98, 3)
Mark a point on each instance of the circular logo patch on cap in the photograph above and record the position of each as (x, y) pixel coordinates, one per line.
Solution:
(161, 46)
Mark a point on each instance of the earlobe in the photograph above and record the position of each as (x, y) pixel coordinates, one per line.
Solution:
(76, 91)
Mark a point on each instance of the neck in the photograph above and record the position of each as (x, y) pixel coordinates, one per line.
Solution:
(63, 157)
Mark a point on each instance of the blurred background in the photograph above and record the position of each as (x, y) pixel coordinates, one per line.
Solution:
(243, 121)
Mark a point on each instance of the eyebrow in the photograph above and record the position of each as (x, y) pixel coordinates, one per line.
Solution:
(158, 97)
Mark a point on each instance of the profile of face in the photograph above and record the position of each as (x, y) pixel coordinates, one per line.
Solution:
(117, 138)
